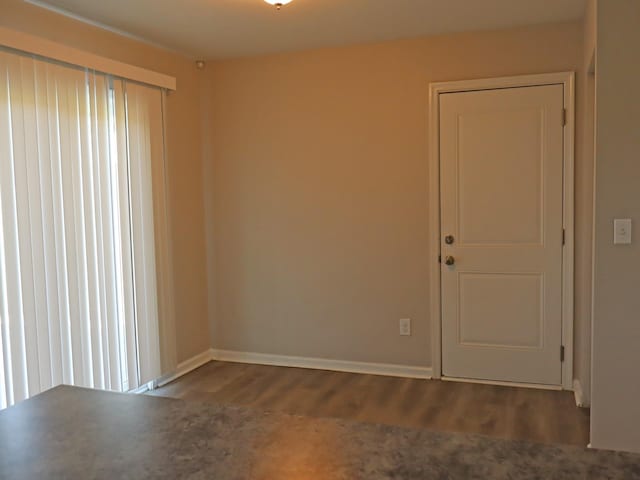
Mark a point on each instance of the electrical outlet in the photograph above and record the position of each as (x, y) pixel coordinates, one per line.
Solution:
(405, 327)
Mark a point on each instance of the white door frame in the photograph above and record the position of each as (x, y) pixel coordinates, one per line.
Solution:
(567, 80)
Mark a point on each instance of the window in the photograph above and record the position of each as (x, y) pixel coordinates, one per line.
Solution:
(81, 229)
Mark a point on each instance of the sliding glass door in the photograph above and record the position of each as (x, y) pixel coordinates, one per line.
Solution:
(81, 211)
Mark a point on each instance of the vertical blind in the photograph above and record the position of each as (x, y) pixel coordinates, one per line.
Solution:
(81, 222)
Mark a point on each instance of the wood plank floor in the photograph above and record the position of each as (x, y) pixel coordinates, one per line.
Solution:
(506, 412)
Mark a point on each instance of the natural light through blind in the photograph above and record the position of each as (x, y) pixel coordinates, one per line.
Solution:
(80, 152)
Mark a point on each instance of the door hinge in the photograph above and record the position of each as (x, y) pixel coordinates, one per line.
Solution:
(564, 236)
(439, 258)
(564, 117)
(562, 353)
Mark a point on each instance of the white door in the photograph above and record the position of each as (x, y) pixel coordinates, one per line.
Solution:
(501, 161)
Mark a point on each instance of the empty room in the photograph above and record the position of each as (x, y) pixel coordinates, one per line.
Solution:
(319, 239)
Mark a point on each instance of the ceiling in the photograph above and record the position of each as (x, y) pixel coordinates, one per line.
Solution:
(214, 29)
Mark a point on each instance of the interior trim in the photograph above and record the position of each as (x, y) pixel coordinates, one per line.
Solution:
(390, 370)
(63, 53)
(187, 366)
(579, 394)
(567, 79)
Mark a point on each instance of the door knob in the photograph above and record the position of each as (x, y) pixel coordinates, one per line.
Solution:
(449, 240)
(449, 260)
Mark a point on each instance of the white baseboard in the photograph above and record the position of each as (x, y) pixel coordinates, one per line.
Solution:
(299, 362)
(324, 364)
(187, 366)
(579, 394)
(142, 389)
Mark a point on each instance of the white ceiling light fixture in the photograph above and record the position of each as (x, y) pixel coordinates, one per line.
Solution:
(278, 3)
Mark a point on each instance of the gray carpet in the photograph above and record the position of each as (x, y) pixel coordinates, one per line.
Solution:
(81, 434)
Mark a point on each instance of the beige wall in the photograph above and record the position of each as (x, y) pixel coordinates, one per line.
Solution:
(615, 406)
(316, 176)
(315, 179)
(184, 153)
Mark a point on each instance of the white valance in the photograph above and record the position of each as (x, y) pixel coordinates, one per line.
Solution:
(63, 53)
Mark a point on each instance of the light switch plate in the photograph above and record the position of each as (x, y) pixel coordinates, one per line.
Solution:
(405, 327)
(622, 231)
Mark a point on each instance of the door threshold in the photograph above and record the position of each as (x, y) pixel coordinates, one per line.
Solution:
(537, 386)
